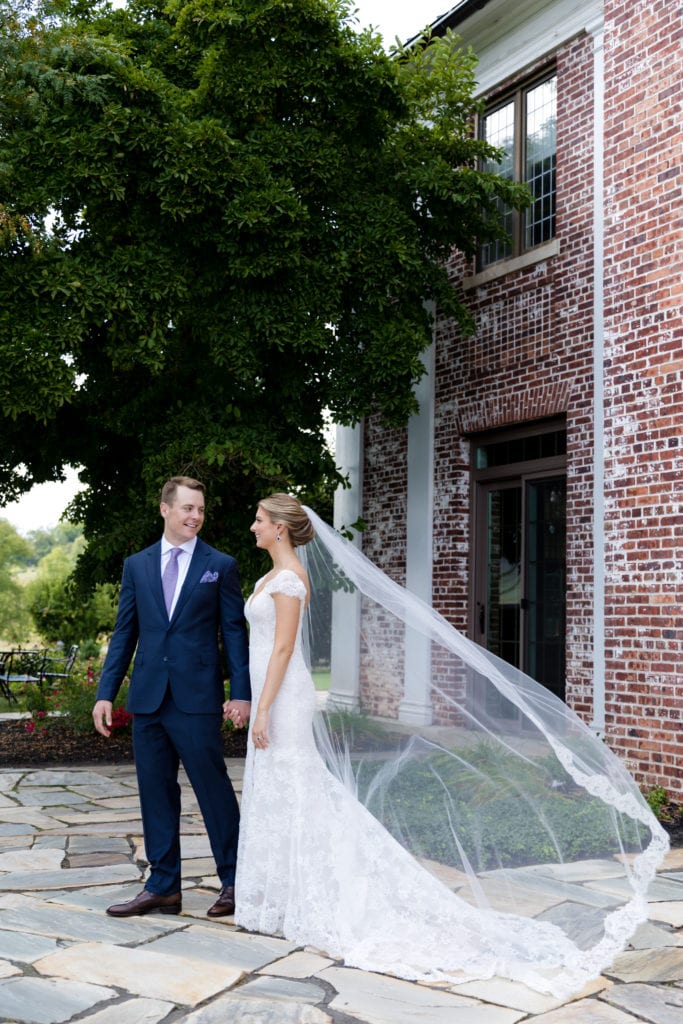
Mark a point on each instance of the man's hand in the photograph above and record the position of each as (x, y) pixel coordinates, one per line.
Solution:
(237, 711)
(101, 716)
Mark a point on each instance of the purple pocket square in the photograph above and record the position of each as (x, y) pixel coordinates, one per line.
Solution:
(209, 577)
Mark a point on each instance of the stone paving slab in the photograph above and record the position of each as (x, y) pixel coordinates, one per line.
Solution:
(640, 965)
(585, 925)
(557, 889)
(25, 948)
(132, 1011)
(119, 803)
(8, 780)
(98, 844)
(106, 789)
(587, 1011)
(282, 990)
(96, 817)
(56, 842)
(670, 913)
(7, 970)
(673, 860)
(194, 846)
(36, 797)
(93, 860)
(47, 1001)
(235, 1010)
(660, 1006)
(26, 816)
(520, 899)
(62, 922)
(33, 859)
(198, 867)
(73, 879)
(95, 897)
(240, 950)
(377, 999)
(577, 871)
(65, 777)
(16, 842)
(663, 889)
(141, 972)
(651, 936)
(100, 828)
(301, 964)
(513, 994)
(17, 829)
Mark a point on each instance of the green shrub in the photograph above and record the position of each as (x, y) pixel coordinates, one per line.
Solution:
(436, 797)
(658, 799)
(69, 704)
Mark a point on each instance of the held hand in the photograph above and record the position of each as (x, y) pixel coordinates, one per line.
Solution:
(237, 711)
(259, 730)
(101, 716)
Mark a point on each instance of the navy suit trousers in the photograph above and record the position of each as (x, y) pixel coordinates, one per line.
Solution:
(162, 740)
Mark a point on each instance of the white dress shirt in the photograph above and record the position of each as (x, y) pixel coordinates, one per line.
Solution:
(184, 558)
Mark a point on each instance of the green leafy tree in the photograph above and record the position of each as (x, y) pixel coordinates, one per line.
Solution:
(222, 221)
(43, 540)
(15, 551)
(62, 614)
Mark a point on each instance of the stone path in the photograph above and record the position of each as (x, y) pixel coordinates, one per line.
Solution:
(70, 844)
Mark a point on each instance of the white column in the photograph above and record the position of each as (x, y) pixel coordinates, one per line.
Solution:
(598, 724)
(416, 706)
(345, 655)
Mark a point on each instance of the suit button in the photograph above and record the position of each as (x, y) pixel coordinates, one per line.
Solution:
(165, 659)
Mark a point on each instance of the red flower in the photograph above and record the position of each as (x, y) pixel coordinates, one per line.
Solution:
(40, 714)
(30, 726)
(120, 718)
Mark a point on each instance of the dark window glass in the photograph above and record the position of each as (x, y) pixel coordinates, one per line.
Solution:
(524, 129)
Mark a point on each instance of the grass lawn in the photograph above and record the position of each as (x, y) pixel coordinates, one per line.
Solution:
(321, 680)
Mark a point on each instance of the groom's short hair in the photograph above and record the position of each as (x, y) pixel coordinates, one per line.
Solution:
(170, 488)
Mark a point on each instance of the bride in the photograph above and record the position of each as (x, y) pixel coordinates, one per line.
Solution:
(506, 841)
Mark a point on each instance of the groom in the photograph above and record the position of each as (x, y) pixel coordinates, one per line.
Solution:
(175, 598)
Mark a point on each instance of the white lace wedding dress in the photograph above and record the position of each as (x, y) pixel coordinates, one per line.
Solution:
(316, 867)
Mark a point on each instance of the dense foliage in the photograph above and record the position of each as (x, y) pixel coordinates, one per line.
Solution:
(221, 222)
(14, 552)
(39, 602)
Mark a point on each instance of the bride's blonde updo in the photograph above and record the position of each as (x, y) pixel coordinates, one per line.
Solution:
(283, 508)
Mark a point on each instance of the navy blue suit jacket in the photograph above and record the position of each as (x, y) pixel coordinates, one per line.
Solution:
(183, 652)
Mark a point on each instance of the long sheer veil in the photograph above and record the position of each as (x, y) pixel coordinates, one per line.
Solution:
(507, 797)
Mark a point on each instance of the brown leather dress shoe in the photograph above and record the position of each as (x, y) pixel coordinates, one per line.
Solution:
(225, 904)
(145, 902)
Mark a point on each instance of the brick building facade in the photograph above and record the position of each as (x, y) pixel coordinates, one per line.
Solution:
(537, 499)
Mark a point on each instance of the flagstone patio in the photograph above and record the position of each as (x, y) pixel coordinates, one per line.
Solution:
(70, 844)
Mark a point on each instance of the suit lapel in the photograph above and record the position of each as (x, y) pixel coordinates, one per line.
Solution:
(196, 569)
(153, 567)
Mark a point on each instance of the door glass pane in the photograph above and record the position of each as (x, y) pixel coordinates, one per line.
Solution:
(502, 614)
(546, 583)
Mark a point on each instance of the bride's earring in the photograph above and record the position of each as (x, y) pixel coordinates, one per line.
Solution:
(278, 537)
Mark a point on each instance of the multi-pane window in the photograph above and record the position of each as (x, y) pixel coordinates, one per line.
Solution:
(523, 127)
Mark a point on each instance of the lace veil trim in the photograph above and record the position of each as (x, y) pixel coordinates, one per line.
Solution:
(504, 793)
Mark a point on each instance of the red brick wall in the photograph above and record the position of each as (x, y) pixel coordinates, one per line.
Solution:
(644, 387)
(385, 481)
(532, 357)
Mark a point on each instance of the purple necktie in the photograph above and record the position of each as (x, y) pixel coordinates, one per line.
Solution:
(170, 578)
